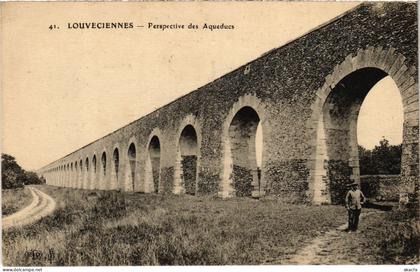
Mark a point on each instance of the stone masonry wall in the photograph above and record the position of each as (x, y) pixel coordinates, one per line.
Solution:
(381, 187)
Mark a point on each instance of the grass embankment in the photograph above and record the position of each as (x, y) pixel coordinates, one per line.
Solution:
(111, 228)
(13, 200)
(384, 238)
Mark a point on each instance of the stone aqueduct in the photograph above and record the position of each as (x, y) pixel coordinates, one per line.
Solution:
(306, 95)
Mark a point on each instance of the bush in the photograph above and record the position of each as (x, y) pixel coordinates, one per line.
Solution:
(33, 178)
(400, 246)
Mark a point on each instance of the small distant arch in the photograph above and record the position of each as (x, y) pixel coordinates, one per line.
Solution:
(87, 164)
(94, 164)
(116, 159)
(132, 161)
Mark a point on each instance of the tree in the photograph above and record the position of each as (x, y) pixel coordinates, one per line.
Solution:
(367, 166)
(383, 159)
(12, 175)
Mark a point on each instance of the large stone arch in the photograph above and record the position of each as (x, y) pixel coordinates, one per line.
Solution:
(179, 179)
(153, 163)
(375, 60)
(131, 166)
(226, 188)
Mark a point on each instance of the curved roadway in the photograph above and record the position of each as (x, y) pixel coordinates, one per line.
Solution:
(42, 205)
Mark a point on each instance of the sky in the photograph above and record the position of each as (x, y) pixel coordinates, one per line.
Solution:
(64, 88)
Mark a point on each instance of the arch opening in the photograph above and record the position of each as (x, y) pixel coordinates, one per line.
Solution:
(93, 173)
(337, 148)
(131, 155)
(154, 162)
(94, 164)
(116, 159)
(80, 184)
(188, 149)
(242, 138)
(103, 160)
(86, 175)
(87, 164)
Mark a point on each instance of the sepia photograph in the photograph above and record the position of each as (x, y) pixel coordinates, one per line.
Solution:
(260, 134)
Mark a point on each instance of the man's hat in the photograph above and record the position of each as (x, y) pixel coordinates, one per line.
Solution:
(353, 184)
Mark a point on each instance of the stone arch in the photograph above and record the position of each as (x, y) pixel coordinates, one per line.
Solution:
(61, 175)
(103, 174)
(63, 179)
(60, 171)
(67, 175)
(115, 167)
(80, 184)
(131, 165)
(251, 112)
(187, 163)
(87, 174)
(75, 175)
(334, 101)
(153, 161)
(71, 176)
(94, 171)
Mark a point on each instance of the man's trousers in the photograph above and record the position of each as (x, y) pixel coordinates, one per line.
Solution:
(354, 218)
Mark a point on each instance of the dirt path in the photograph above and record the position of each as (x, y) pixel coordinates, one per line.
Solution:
(42, 205)
(326, 248)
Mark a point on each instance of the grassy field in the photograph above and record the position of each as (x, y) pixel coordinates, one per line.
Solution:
(384, 238)
(12, 200)
(113, 228)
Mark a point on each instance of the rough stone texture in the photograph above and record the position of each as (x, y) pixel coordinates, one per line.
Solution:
(242, 180)
(156, 173)
(290, 178)
(288, 88)
(381, 187)
(339, 173)
(189, 173)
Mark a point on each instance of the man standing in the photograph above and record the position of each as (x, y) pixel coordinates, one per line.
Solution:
(354, 201)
